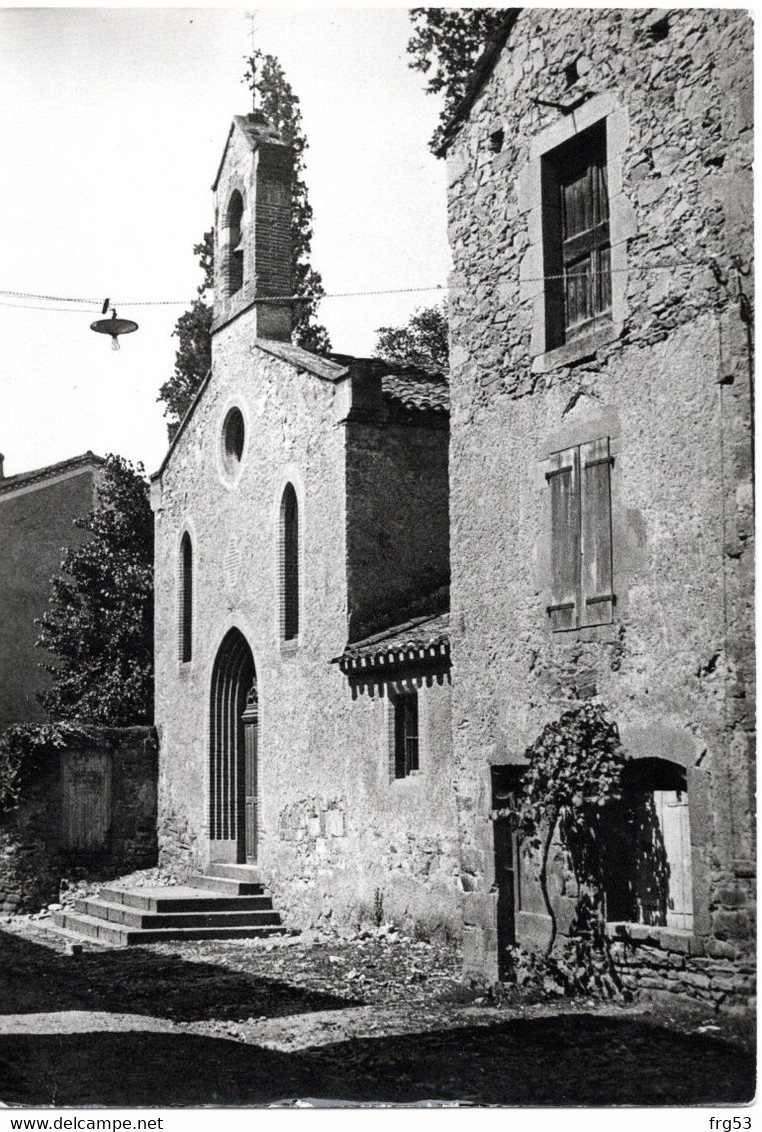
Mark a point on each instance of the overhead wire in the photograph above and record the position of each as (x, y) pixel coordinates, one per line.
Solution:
(93, 303)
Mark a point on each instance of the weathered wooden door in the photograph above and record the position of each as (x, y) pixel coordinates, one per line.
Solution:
(250, 721)
(505, 782)
(86, 801)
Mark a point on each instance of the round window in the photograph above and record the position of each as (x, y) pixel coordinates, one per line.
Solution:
(233, 432)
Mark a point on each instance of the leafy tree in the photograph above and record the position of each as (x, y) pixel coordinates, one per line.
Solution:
(446, 42)
(423, 342)
(277, 101)
(194, 351)
(99, 625)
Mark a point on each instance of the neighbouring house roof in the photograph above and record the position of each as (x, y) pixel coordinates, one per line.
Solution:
(420, 640)
(417, 390)
(481, 72)
(52, 471)
(421, 388)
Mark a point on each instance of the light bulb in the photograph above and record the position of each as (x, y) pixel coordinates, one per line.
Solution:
(114, 342)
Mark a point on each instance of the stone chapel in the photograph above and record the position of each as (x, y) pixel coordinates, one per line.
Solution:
(302, 566)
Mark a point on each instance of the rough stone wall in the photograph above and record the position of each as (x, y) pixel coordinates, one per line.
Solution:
(36, 524)
(397, 518)
(327, 805)
(33, 857)
(671, 391)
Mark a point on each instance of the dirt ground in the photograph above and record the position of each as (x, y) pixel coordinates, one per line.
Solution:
(370, 1018)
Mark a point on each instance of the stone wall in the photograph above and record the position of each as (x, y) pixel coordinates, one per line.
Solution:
(666, 381)
(34, 855)
(397, 518)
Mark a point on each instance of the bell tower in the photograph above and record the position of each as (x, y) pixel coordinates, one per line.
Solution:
(252, 230)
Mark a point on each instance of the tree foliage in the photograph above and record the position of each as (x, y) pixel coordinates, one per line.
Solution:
(99, 624)
(423, 342)
(194, 351)
(445, 44)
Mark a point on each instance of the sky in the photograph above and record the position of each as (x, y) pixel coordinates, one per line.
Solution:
(112, 125)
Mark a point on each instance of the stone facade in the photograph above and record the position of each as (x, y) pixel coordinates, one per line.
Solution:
(87, 811)
(296, 773)
(662, 378)
(37, 513)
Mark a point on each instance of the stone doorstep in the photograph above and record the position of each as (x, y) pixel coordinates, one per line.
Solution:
(183, 899)
(236, 872)
(226, 885)
(136, 918)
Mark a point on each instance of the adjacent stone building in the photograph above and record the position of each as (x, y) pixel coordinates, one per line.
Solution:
(37, 513)
(302, 565)
(600, 200)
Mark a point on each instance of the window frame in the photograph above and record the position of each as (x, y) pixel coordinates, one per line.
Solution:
(289, 564)
(235, 273)
(585, 253)
(405, 734)
(645, 778)
(604, 112)
(185, 599)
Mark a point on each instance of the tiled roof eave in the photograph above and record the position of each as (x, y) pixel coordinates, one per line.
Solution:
(393, 659)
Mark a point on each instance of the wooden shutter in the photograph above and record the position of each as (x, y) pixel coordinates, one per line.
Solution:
(672, 813)
(563, 478)
(597, 606)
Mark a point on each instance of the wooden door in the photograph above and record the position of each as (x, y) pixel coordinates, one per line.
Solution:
(86, 801)
(250, 721)
(505, 782)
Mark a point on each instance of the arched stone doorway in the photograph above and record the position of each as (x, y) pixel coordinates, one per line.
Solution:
(233, 735)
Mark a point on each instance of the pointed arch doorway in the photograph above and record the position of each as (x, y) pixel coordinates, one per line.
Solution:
(233, 752)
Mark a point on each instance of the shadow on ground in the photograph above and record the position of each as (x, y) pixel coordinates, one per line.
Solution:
(35, 979)
(575, 1059)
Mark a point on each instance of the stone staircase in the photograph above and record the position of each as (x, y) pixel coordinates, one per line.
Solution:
(229, 902)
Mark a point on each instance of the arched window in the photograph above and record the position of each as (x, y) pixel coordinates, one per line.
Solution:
(235, 243)
(185, 605)
(289, 564)
(648, 863)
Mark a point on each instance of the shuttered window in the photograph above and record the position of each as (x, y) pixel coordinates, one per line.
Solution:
(577, 243)
(580, 518)
(405, 734)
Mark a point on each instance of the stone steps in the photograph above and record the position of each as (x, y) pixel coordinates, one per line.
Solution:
(230, 902)
(136, 918)
(226, 885)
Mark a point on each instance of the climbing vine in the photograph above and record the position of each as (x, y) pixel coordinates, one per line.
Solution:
(23, 748)
(572, 779)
